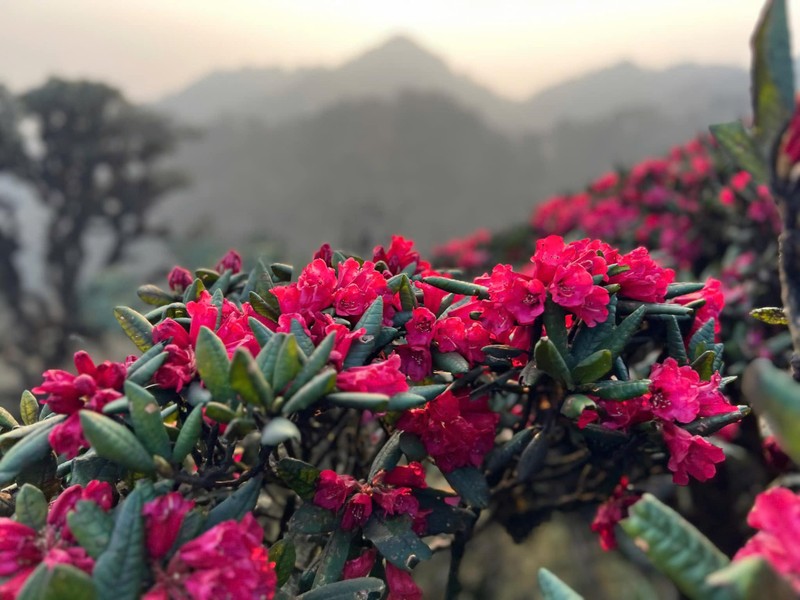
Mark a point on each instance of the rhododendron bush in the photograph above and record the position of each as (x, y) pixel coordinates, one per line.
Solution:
(318, 432)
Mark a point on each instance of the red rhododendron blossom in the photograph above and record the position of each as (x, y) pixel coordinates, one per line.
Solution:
(227, 561)
(92, 388)
(99, 492)
(399, 255)
(674, 391)
(645, 281)
(410, 475)
(714, 303)
(229, 322)
(711, 400)
(517, 294)
(455, 430)
(776, 517)
(401, 585)
(163, 518)
(18, 547)
(419, 328)
(611, 512)
(415, 361)
(594, 309)
(231, 261)
(357, 511)
(358, 286)
(179, 279)
(333, 489)
(313, 291)
(180, 366)
(571, 284)
(383, 377)
(690, 455)
(360, 566)
(397, 501)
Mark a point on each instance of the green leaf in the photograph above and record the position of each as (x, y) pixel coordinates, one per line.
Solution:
(91, 526)
(593, 367)
(213, 364)
(89, 466)
(739, 146)
(773, 73)
(283, 554)
(265, 306)
(188, 435)
(554, 319)
(268, 356)
(279, 430)
(331, 564)
(154, 295)
(751, 578)
(549, 360)
(28, 450)
(771, 315)
(405, 401)
(299, 476)
(775, 396)
(412, 446)
(616, 341)
(704, 365)
(655, 309)
(553, 588)
(316, 360)
(533, 457)
(710, 425)
(135, 326)
(471, 485)
(219, 412)
(146, 419)
(288, 364)
(31, 507)
(395, 540)
(311, 519)
(248, 381)
(455, 286)
(359, 400)
(361, 588)
(28, 408)
(452, 362)
(675, 290)
(119, 572)
(702, 340)
(145, 372)
(575, 404)
(59, 582)
(7, 420)
(282, 272)
(192, 293)
(617, 390)
(311, 392)
(429, 392)
(115, 442)
(387, 457)
(260, 331)
(371, 321)
(237, 505)
(676, 347)
(222, 283)
(303, 341)
(675, 547)
(500, 457)
(589, 339)
(408, 301)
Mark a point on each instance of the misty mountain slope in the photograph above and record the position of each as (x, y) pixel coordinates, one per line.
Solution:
(356, 173)
(678, 91)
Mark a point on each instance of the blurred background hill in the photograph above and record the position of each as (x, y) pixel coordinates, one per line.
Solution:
(395, 140)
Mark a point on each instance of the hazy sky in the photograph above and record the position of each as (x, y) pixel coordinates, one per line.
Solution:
(150, 47)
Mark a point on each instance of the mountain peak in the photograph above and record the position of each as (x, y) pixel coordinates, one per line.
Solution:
(400, 51)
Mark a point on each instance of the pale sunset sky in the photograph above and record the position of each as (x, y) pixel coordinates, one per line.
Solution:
(516, 47)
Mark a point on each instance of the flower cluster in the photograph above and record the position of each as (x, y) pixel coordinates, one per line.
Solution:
(676, 395)
(22, 548)
(391, 492)
(92, 388)
(612, 511)
(456, 430)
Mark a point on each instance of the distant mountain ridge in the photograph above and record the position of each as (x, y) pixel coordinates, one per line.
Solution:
(400, 64)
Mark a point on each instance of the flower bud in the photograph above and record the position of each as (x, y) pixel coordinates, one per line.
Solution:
(163, 519)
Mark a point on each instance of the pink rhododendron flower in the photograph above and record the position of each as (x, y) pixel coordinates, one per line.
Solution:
(611, 512)
(401, 585)
(360, 566)
(776, 517)
(231, 261)
(645, 280)
(163, 518)
(99, 492)
(180, 366)
(399, 255)
(411, 475)
(674, 391)
(419, 329)
(179, 279)
(455, 430)
(357, 511)
(92, 388)
(690, 455)
(227, 561)
(383, 377)
(415, 361)
(333, 489)
(571, 284)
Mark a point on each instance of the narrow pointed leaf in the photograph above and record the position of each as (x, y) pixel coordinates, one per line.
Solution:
(316, 361)
(310, 519)
(311, 392)
(549, 360)
(388, 456)
(299, 476)
(260, 331)
(30, 449)
(702, 340)
(676, 347)
(362, 588)
(533, 457)
(617, 390)
(145, 372)
(146, 418)
(553, 588)
(359, 400)
(248, 381)
(458, 287)
(742, 150)
(135, 326)
(57, 582)
(288, 364)
(593, 367)
(371, 321)
(237, 505)
(471, 485)
(213, 364)
(395, 540)
(28, 408)
(333, 557)
(31, 507)
(283, 554)
(188, 435)
(115, 442)
(500, 457)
